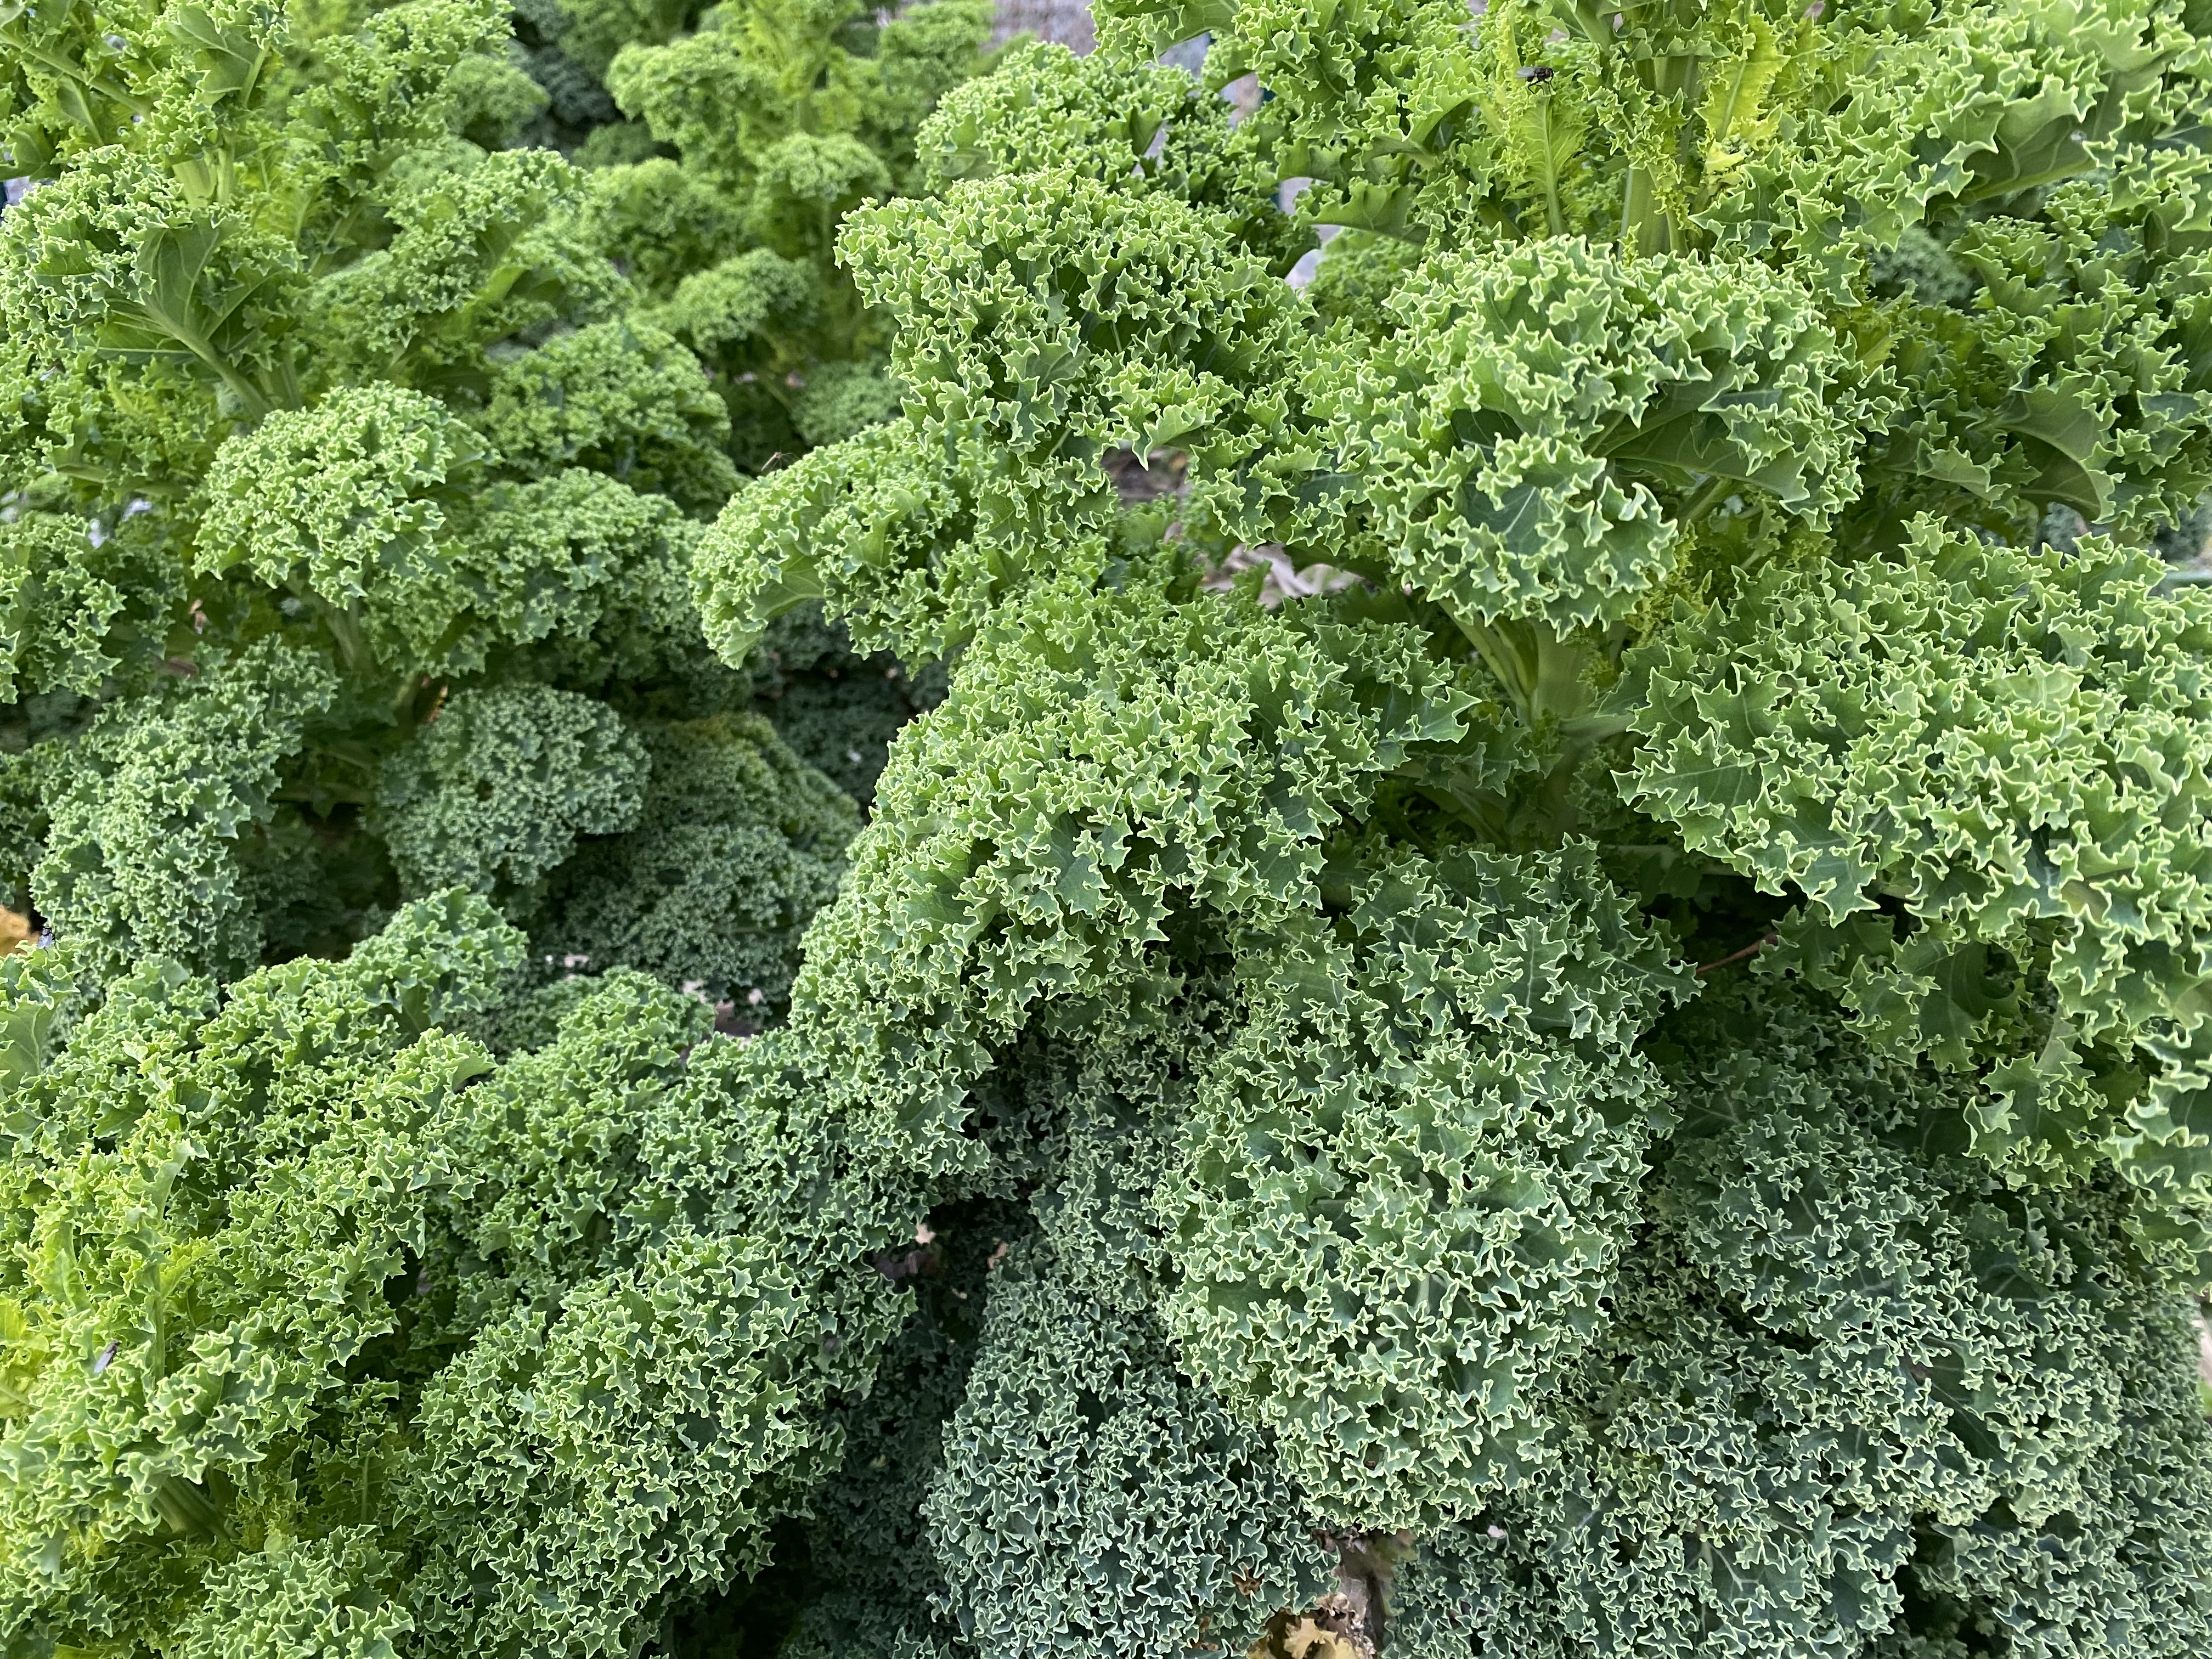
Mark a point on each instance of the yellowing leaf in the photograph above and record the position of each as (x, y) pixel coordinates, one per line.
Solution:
(1736, 114)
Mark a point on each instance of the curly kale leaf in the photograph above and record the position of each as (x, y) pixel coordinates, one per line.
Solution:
(206, 1218)
(738, 843)
(321, 1313)
(620, 398)
(493, 794)
(2010, 746)
(1401, 1188)
(1090, 1495)
(868, 526)
(1857, 1397)
(1148, 127)
(1526, 439)
(351, 497)
(161, 796)
(1144, 755)
(87, 602)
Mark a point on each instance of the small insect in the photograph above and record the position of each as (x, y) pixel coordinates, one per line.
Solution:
(106, 1358)
(1536, 72)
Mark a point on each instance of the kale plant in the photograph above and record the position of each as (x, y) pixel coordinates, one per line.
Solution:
(753, 127)
(329, 1331)
(1553, 1001)
(756, 125)
(351, 466)
(1614, 1062)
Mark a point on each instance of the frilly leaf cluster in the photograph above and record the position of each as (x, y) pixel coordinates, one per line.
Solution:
(1982, 772)
(1539, 990)
(1561, 614)
(329, 412)
(323, 1324)
(1403, 1185)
